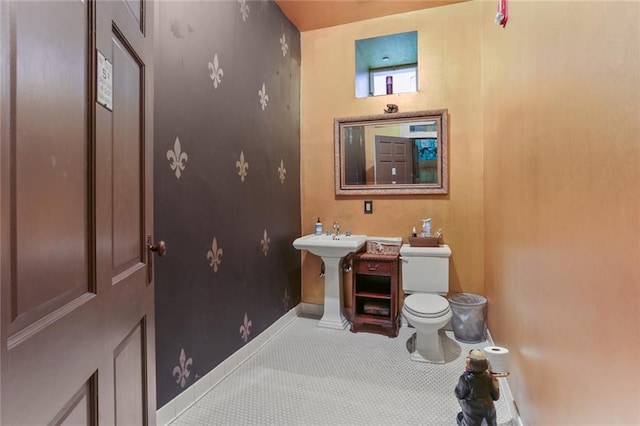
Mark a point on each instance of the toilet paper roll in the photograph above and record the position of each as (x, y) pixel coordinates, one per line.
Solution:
(498, 359)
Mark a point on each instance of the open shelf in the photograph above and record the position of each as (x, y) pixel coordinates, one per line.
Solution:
(375, 294)
(372, 284)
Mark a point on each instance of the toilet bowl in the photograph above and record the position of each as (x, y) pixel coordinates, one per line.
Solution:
(427, 313)
(425, 279)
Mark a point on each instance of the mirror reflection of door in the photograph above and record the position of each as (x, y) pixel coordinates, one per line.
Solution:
(394, 160)
(355, 168)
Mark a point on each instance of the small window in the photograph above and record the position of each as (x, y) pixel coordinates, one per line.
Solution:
(387, 64)
(426, 127)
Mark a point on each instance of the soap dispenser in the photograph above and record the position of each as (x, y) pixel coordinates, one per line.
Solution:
(318, 227)
(426, 227)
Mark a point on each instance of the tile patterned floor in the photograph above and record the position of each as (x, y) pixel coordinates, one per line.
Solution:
(312, 376)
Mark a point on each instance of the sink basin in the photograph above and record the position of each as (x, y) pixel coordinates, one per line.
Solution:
(331, 250)
(327, 246)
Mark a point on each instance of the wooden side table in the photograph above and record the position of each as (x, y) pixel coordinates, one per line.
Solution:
(375, 294)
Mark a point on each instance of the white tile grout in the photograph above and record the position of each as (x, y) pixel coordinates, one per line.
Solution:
(303, 374)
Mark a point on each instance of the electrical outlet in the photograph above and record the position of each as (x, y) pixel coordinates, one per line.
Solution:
(368, 207)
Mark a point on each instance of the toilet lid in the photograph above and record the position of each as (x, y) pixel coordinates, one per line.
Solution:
(426, 305)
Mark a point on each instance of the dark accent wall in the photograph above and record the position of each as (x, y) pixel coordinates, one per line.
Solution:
(227, 181)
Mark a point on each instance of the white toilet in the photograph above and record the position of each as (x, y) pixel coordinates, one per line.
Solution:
(425, 280)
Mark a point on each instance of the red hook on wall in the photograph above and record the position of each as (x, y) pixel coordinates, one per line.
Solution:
(503, 13)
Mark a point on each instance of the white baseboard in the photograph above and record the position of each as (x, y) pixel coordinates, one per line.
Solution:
(505, 392)
(311, 309)
(170, 411)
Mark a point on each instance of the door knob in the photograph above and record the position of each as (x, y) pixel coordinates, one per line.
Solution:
(160, 248)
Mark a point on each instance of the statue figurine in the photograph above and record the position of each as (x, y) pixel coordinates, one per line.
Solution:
(391, 109)
(476, 391)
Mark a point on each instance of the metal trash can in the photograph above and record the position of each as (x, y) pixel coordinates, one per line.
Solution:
(469, 317)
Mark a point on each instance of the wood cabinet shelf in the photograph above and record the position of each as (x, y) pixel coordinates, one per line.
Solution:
(375, 294)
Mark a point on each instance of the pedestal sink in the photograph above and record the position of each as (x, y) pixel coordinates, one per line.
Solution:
(331, 249)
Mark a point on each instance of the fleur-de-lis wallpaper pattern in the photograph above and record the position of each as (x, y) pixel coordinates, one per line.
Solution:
(282, 172)
(244, 9)
(177, 158)
(285, 46)
(227, 121)
(264, 98)
(245, 328)
(215, 255)
(216, 71)
(264, 243)
(242, 166)
(181, 371)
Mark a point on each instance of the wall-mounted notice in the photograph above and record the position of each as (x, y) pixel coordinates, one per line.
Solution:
(105, 82)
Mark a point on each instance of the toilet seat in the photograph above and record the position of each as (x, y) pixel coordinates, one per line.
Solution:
(426, 305)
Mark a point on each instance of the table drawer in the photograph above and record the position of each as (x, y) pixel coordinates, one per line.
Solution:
(373, 267)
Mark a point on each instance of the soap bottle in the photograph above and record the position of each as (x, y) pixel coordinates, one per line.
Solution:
(318, 227)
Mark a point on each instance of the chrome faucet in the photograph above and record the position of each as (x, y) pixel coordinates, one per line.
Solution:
(336, 226)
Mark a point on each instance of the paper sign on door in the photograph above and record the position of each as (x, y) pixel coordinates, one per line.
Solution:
(105, 82)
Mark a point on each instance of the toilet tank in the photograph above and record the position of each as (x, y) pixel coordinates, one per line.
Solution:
(425, 269)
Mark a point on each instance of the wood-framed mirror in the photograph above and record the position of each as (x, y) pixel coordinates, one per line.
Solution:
(392, 154)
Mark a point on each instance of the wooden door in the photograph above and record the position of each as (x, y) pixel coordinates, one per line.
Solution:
(394, 160)
(76, 300)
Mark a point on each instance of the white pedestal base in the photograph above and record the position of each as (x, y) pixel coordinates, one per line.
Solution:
(332, 316)
(331, 323)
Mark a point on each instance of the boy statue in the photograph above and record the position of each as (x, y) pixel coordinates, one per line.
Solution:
(476, 391)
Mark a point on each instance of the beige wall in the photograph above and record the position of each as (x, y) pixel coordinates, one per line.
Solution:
(561, 102)
(543, 214)
(449, 77)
